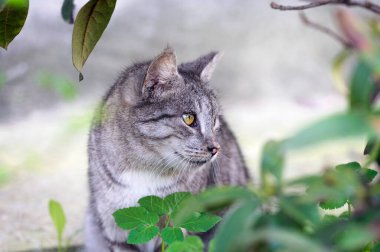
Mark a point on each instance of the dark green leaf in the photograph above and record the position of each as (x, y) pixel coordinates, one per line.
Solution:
(12, 19)
(368, 175)
(354, 237)
(67, 11)
(213, 199)
(142, 234)
(329, 218)
(199, 222)
(286, 239)
(333, 127)
(89, 26)
(128, 218)
(305, 213)
(361, 87)
(58, 217)
(235, 223)
(272, 162)
(190, 244)
(170, 235)
(154, 204)
(355, 166)
(174, 199)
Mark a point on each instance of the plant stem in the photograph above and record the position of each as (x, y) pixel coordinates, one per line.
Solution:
(349, 209)
(373, 154)
(163, 246)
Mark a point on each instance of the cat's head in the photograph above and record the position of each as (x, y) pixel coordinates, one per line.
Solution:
(175, 113)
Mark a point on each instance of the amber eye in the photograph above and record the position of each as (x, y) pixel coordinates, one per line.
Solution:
(189, 119)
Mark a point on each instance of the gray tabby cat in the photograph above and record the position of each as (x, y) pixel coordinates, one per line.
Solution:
(158, 130)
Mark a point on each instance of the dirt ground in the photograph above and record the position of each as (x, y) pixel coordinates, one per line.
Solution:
(273, 79)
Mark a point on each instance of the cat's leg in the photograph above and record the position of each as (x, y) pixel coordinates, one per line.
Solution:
(94, 239)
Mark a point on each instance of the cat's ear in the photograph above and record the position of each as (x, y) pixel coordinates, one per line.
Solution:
(208, 65)
(161, 70)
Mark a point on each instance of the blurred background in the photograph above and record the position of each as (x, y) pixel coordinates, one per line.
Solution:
(274, 78)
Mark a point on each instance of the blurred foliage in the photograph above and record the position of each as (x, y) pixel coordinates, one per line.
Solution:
(283, 215)
(61, 85)
(67, 11)
(5, 174)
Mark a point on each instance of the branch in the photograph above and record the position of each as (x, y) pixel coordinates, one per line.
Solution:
(366, 4)
(325, 30)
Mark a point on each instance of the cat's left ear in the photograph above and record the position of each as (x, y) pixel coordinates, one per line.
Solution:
(207, 65)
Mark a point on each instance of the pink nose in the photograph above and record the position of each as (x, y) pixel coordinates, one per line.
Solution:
(213, 149)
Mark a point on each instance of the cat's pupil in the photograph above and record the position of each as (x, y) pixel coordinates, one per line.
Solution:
(189, 119)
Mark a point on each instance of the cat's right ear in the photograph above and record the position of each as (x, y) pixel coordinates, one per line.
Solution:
(160, 71)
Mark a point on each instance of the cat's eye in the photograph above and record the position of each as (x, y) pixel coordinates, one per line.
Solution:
(189, 119)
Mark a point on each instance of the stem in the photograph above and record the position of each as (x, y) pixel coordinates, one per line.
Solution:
(163, 246)
(349, 209)
(373, 155)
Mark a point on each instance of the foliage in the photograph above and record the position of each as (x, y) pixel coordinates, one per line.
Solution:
(58, 217)
(156, 217)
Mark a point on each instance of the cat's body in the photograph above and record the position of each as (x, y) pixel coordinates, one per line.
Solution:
(142, 143)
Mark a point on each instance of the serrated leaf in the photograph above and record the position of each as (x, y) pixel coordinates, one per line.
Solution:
(89, 26)
(170, 234)
(174, 199)
(58, 217)
(67, 11)
(199, 222)
(190, 244)
(142, 234)
(129, 218)
(154, 204)
(12, 19)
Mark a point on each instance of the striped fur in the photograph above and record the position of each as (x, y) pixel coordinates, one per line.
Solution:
(139, 144)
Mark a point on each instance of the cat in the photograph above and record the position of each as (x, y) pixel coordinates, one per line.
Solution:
(158, 130)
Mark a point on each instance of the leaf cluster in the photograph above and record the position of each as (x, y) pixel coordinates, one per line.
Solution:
(156, 217)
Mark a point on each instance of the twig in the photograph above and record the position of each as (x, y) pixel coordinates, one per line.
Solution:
(325, 30)
(366, 4)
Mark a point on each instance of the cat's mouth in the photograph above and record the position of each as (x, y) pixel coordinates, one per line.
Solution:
(197, 162)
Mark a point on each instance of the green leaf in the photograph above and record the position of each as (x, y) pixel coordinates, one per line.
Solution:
(362, 86)
(58, 217)
(305, 213)
(12, 19)
(199, 222)
(354, 237)
(355, 166)
(368, 174)
(174, 199)
(128, 218)
(333, 127)
(190, 244)
(154, 204)
(89, 26)
(142, 234)
(67, 11)
(236, 222)
(272, 162)
(213, 199)
(170, 234)
(329, 218)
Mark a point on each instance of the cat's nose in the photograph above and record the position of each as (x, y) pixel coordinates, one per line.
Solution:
(213, 149)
